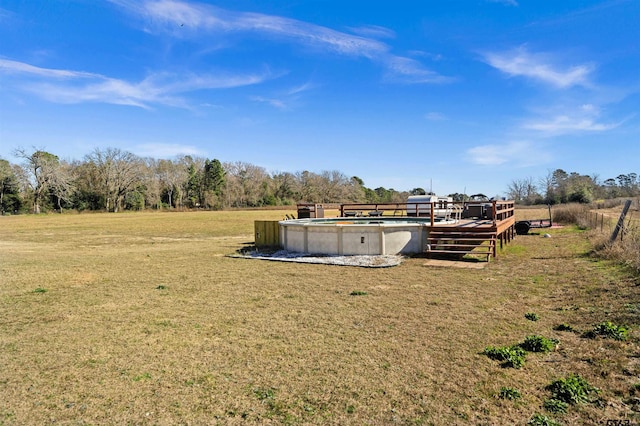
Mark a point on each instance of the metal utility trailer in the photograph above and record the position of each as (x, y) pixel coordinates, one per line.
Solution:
(523, 226)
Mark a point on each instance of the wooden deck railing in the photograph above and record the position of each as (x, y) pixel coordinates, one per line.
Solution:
(496, 211)
(398, 209)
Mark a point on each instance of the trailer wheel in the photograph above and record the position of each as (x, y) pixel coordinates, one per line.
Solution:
(522, 227)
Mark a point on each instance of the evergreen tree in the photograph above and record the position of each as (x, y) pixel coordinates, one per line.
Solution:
(10, 200)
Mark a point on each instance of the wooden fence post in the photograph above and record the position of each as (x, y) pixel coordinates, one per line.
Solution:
(620, 224)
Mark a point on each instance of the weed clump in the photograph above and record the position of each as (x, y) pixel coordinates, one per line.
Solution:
(535, 343)
(609, 330)
(358, 293)
(541, 420)
(515, 355)
(264, 393)
(509, 393)
(512, 356)
(532, 316)
(40, 290)
(563, 327)
(572, 390)
(555, 406)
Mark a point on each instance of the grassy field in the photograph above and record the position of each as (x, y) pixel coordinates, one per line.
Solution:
(141, 319)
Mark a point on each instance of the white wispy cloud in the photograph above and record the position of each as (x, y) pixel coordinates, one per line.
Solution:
(191, 19)
(435, 116)
(431, 56)
(517, 153)
(373, 31)
(563, 119)
(287, 99)
(165, 150)
(505, 2)
(5, 14)
(196, 20)
(277, 103)
(539, 66)
(70, 86)
(301, 88)
(407, 70)
(8, 66)
(563, 124)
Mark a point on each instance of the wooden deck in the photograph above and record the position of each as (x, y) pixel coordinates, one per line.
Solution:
(475, 236)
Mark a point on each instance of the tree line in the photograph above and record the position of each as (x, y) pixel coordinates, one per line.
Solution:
(113, 180)
(558, 186)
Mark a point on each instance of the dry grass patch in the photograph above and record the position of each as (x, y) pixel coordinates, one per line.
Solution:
(144, 321)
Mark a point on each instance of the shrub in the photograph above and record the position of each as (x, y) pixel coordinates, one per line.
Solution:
(512, 356)
(535, 343)
(573, 389)
(575, 214)
(581, 195)
(609, 330)
(358, 293)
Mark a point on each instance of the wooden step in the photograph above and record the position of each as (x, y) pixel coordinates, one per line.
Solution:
(466, 244)
(459, 252)
(460, 245)
(469, 241)
(443, 238)
(471, 247)
(463, 234)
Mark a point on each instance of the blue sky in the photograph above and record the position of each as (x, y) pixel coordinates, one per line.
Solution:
(454, 95)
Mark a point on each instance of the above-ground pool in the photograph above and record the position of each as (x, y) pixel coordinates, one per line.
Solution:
(357, 236)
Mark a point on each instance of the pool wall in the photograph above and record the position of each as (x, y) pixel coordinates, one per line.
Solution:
(364, 237)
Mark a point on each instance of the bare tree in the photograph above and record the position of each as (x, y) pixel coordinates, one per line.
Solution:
(334, 186)
(305, 186)
(150, 181)
(62, 184)
(118, 172)
(171, 177)
(516, 190)
(247, 184)
(523, 190)
(546, 184)
(284, 186)
(41, 168)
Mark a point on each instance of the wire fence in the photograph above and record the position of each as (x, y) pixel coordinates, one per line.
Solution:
(606, 223)
(622, 246)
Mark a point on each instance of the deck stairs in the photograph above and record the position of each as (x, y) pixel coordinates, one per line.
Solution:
(458, 243)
